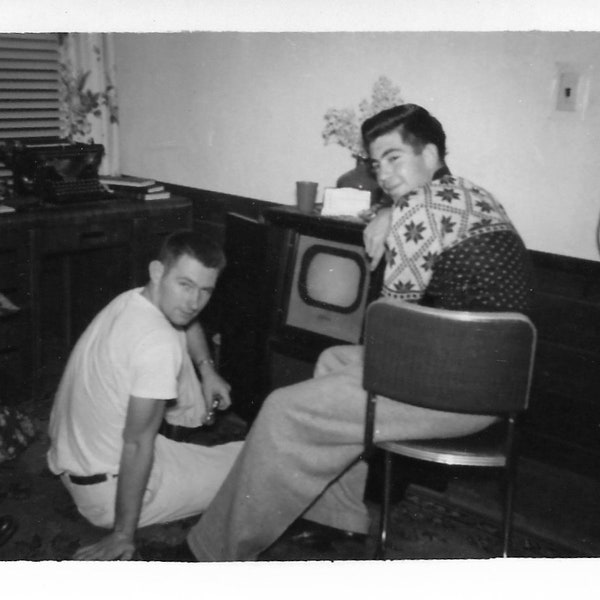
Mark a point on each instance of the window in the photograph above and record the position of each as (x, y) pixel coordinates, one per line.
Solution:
(29, 89)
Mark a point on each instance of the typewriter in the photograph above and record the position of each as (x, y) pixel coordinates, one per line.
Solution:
(59, 172)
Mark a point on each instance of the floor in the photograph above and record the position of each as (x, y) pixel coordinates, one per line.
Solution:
(558, 504)
(555, 504)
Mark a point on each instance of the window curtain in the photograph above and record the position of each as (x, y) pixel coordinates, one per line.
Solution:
(88, 96)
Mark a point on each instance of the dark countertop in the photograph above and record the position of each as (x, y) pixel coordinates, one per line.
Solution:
(30, 211)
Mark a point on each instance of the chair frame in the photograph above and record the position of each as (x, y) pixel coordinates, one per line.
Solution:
(376, 383)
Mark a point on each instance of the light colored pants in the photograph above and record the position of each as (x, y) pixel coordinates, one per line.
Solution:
(183, 481)
(184, 477)
(301, 457)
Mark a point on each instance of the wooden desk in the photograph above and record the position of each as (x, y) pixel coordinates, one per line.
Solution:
(61, 265)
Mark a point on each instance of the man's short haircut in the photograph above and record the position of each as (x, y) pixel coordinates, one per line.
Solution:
(204, 249)
(414, 124)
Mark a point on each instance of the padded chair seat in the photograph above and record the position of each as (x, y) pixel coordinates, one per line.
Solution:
(483, 449)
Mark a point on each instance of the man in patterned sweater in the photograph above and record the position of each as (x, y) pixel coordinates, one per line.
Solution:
(448, 244)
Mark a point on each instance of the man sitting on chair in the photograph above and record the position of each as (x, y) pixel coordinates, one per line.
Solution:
(449, 245)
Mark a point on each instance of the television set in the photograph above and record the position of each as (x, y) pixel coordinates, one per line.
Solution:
(318, 285)
(328, 288)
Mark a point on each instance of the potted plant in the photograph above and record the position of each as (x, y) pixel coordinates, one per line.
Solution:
(342, 127)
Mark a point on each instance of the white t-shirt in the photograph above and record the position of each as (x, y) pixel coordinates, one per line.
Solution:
(129, 349)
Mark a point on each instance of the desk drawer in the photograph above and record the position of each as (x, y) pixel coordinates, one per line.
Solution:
(14, 262)
(85, 236)
(11, 240)
(11, 332)
(13, 274)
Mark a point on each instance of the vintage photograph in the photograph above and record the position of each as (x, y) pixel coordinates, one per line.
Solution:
(281, 293)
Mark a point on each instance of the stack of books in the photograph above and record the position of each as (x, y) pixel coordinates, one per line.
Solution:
(135, 188)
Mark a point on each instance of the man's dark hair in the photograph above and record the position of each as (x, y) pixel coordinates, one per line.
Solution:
(414, 124)
(204, 249)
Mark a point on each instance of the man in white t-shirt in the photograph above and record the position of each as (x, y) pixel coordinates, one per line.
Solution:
(135, 364)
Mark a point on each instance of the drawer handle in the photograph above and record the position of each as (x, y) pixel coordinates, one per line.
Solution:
(90, 236)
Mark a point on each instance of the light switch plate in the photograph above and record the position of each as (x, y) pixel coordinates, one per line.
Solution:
(567, 90)
(571, 88)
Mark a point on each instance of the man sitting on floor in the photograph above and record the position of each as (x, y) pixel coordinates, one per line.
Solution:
(137, 357)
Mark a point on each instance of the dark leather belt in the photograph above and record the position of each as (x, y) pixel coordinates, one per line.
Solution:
(89, 479)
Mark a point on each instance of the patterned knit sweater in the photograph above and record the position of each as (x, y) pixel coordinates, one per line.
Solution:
(453, 239)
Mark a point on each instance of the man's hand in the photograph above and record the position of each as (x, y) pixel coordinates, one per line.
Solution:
(214, 385)
(375, 234)
(115, 546)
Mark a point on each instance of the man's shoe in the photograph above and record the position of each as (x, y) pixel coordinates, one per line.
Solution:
(310, 533)
(155, 551)
(7, 528)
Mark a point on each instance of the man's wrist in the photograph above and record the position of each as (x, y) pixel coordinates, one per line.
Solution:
(372, 212)
(205, 362)
(384, 208)
(126, 534)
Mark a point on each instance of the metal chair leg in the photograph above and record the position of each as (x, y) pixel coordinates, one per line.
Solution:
(508, 510)
(509, 488)
(385, 507)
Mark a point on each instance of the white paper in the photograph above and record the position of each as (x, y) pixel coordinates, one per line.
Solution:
(347, 202)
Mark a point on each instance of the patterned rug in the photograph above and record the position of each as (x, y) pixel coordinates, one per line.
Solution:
(423, 525)
(49, 525)
(426, 525)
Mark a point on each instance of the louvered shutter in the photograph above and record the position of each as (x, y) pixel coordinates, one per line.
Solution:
(29, 86)
(29, 90)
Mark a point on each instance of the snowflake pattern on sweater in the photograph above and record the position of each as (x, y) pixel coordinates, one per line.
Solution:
(430, 220)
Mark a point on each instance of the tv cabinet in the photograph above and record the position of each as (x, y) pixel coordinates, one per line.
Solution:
(240, 307)
(259, 352)
(292, 350)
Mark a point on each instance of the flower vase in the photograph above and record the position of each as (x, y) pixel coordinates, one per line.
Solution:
(360, 178)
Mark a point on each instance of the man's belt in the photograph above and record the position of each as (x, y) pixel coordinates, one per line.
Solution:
(89, 479)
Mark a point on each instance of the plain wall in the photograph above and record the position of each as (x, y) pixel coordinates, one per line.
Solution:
(242, 113)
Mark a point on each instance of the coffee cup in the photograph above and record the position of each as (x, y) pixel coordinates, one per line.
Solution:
(306, 195)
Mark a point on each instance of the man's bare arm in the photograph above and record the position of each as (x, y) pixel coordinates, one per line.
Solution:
(144, 416)
(212, 383)
(375, 234)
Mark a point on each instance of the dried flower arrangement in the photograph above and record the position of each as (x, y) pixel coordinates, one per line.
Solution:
(342, 126)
